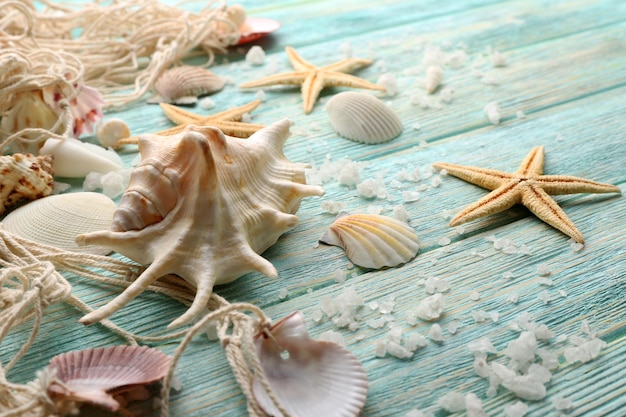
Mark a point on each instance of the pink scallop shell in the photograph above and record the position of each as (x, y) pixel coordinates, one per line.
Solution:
(257, 27)
(95, 375)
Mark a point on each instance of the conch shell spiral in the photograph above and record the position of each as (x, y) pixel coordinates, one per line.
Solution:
(203, 205)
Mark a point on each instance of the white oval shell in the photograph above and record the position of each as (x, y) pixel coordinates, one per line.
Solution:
(310, 378)
(24, 177)
(183, 85)
(57, 220)
(76, 159)
(88, 375)
(362, 117)
(372, 240)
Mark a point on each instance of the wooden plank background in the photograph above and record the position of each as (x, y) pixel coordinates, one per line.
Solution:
(566, 70)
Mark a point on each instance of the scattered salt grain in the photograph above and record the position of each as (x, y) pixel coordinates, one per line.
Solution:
(474, 406)
(176, 383)
(113, 184)
(459, 230)
(562, 403)
(452, 402)
(333, 207)
(317, 316)
(545, 281)
(416, 126)
(380, 348)
(400, 213)
(340, 276)
(332, 336)
(255, 56)
(414, 341)
(481, 345)
(446, 213)
(456, 59)
(398, 351)
(520, 114)
(387, 306)
(542, 332)
(479, 316)
(373, 305)
(523, 348)
(433, 285)
(260, 95)
(410, 196)
(517, 409)
(474, 295)
(430, 308)
(498, 59)
(494, 315)
(349, 175)
(492, 110)
(545, 297)
(543, 269)
(206, 103)
(549, 360)
(446, 94)
(563, 293)
(245, 118)
(436, 181)
(453, 326)
(586, 329)
(282, 294)
(443, 241)
(575, 246)
(389, 83)
(435, 334)
(367, 188)
(346, 49)
(376, 323)
(513, 297)
(508, 275)
(489, 79)
(418, 413)
(374, 209)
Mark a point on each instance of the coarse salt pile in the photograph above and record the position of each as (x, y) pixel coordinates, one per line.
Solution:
(396, 345)
(255, 56)
(492, 110)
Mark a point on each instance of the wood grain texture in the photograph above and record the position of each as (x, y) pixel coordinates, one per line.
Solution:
(565, 69)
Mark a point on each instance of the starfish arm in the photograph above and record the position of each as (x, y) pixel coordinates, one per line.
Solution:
(485, 178)
(297, 62)
(496, 201)
(237, 129)
(236, 113)
(347, 65)
(562, 184)
(288, 78)
(533, 163)
(178, 115)
(335, 79)
(546, 209)
(133, 140)
(311, 89)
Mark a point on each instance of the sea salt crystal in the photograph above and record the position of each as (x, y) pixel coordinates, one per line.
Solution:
(349, 175)
(549, 360)
(430, 308)
(416, 126)
(260, 95)
(474, 406)
(474, 295)
(575, 246)
(333, 207)
(414, 341)
(447, 213)
(523, 348)
(367, 188)
(93, 181)
(411, 318)
(586, 329)
(492, 110)
(543, 269)
(510, 250)
(415, 412)
(246, 118)
(395, 334)
(206, 103)
(480, 365)
(494, 315)
(398, 351)
(373, 305)
(282, 294)
(317, 316)
(113, 184)
(545, 281)
(339, 275)
(255, 56)
(562, 403)
(513, 297)
(481, 345)
(433, 285)
(386, 307)
(524, 250)
(389, 83)
(545, 297)
(435, 334)
(459, 230)
(585, 352)
(498, 59)
(542, 332)
(380, 348)
(560, 338)
(436, 181)
(400, 213)
(479, 316)
(452, 402)
(446, 94)
(453, 326)
(443, 241)
(517, 409)
(489, 79)
(376, 323)
(410, 196)
(346, 49)
(508, 275)
(374, 209)
(456, 59)
(332, 336)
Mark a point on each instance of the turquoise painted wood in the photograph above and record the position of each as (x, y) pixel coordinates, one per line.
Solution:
(566, 70)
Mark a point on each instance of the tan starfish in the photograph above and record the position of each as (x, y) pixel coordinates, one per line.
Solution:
(527, 186)
(313, 79)
(228, 121)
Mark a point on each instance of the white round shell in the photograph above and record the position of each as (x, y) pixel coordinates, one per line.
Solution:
(56, 220)
(362, 117)
(372, 240)
(309, 378)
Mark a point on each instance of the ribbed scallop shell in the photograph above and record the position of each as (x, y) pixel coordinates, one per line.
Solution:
(203, 205)
(23, 178)
(57, 219)
(94, 375)
(183, 85)
(310, 378)
(362, 117)
(372, 240)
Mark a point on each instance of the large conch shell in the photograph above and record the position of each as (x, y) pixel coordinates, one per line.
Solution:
(203, 205)
(309, 378)
(24, 178)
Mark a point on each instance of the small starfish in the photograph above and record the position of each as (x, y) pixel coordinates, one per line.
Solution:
(528, 186)
(313, 79)
(228, 121)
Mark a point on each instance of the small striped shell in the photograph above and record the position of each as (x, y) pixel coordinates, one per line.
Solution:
(363, 118)
(309, 378)
(57, 219)
(372, 240)
(24, 178)
(434, 77)
(183, 85)
(95, 375)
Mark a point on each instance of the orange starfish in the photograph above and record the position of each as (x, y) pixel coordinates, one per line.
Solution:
(527, 186)
(313, 79)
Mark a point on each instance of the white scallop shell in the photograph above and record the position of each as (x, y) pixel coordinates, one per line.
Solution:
(93, 375)
(76, 159)
(57, 220)
(183, 85)
(434, 77)
(372, 240)
(203, 205)
(309, 378)
(362, 117)
(24, 177)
